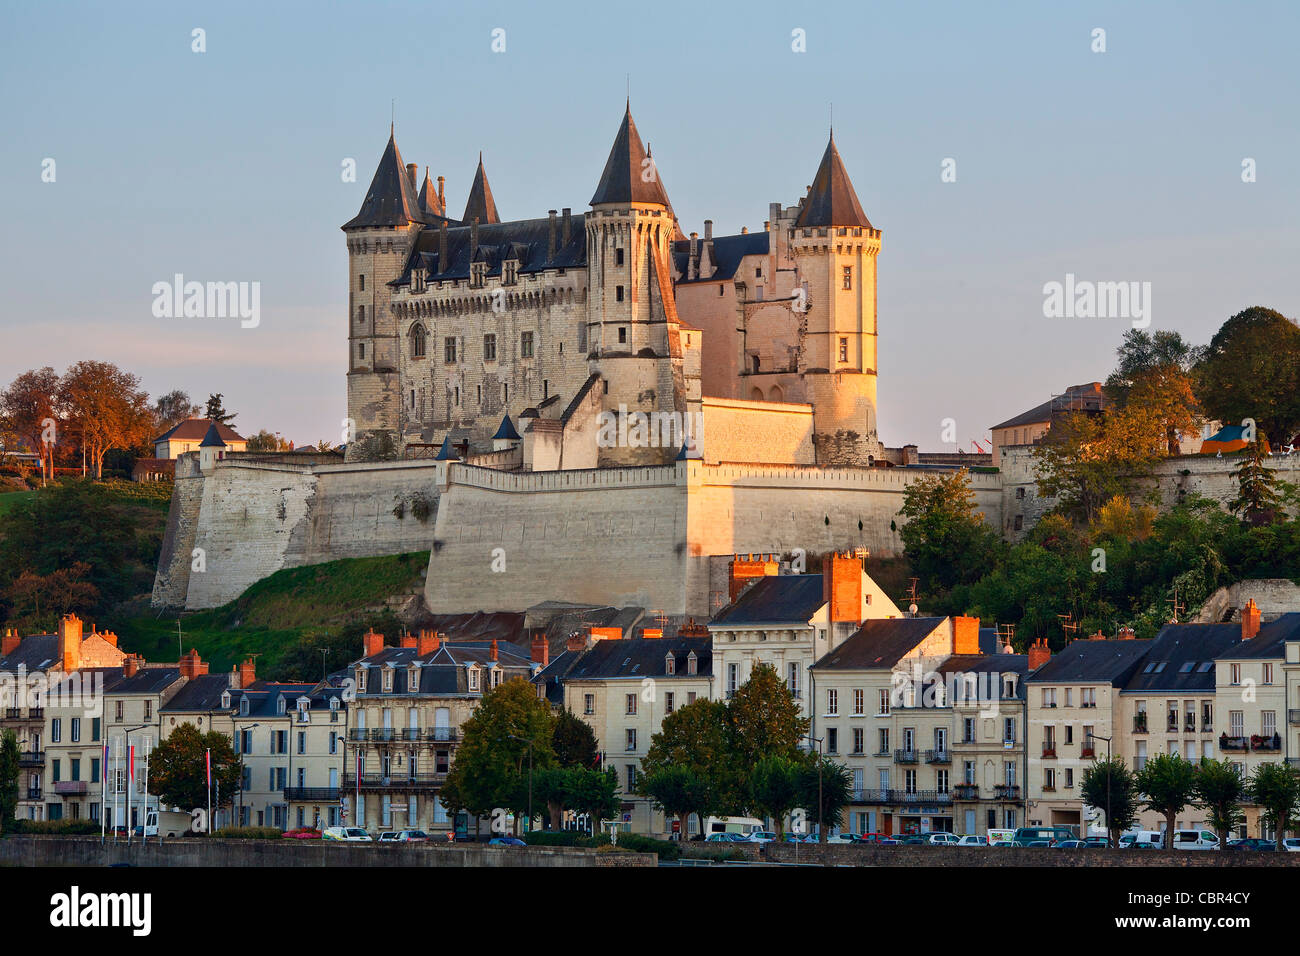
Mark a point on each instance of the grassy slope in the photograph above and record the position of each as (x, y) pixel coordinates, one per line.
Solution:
(276, 612)
(9, 499)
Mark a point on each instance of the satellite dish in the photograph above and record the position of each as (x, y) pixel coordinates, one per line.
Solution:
(912, 608)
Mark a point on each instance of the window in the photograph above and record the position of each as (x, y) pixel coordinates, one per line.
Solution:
(449, 350)
(618, 293)
(884, 743)
(692, 666)
(941, 781)
(1049, 779)
(1234, 672)
(588, 703)
(859, 702)
(1268, 723)
(832, 701)
(832, 740)
(473, 681)
(631, 777)
(622, 336)
(361, 313)
(56, 730)
(631, 739)
(733, 679)
(848, 278)
(690, 696)
(361, 283)
(76, 731)
(859, 740)
(631, 704)
(1268, 673)
(618, 257)
(417, 341)
(882, 710)
(844, 349)
(792, 680)
(489, 348)
(1236, 723)
(1009, 731)
(526, 345)
(1069, 778)
(361, 351)
(668, 702)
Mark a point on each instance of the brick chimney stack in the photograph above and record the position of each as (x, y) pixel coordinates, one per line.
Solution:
(130, 665)
(408, 640)
(192, 665)
(550, 237)
(842, 586)
(691, 629)
(1249, 620)
(1098, 636)
(70, 642)
(1039, 654)
(1126, 633)
(11, 641)
(412, 172)
(371, 643)
(744, 571)
(965, 635)
(492, 650)
(577, 642)
(652, 633)
(541, 649)
(428, 642)
(247, 673)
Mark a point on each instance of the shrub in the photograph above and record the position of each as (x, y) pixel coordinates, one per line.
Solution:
(667, 849)
(59, 827)
(248, 833)
(558, 838)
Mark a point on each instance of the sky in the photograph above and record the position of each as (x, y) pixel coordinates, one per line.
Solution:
(226, 165)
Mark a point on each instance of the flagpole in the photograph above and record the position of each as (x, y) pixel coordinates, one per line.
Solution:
(117, 768)
(103, 790)
(209, 788)
(356, 809)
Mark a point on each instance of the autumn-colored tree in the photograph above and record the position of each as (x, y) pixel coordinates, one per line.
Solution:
(39, 600)
(1155, 372)
(30, 407)
(266, 441)
(1087, 459)
(105, 408)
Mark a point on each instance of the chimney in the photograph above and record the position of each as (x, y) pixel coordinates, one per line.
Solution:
(442, 246)
(247, 673)
(550, 237)
(109, 637)
(11, 641)
(371, 643)
(1126, 633)
(473, 240)
(1098, 636)
(965, 635)
(842, 587)
(605, 633)
(130, 665)
(691, 629)
(407, 640)
(541, 650)
(70, 642)
(1249, 620)
(744, 230)
(1039, 654)
(492, 651)
(566, 224)
(693, 257)
(743, 572)
(652, 633)
(442, 202)
(428, 642)
(708, 229)
(192, 665)
(412, 170)
(577, 642)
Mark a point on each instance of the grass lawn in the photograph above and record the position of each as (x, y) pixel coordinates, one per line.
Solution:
(10, 498)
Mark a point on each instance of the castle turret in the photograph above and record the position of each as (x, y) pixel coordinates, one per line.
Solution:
(212, 449)
(480, 207)
(835, 248)
(379, 240)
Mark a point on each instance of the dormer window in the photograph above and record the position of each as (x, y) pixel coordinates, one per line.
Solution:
(496, 676)
(281, 706)
(225, 700)
(670, 664)
(473, 680)
(388, 680)
(243, 707)
(692, 664)
(361, 680)
(413, 680)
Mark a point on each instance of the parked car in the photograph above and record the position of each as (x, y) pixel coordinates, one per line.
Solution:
(1291, 845)
(388, 836)
(1142, 836)
(1028, 836)
(943, 839)
(1252, 843)
(1142, 845)
(1038, 843)
(971, 839)
(843, 838)
(1071, 844)
(347, 835)
(506, 841)
(1098, 841)
(878, 839)
(1195, 840)
(760, 836)
(725, 838)
(412, 836)
(914, 840)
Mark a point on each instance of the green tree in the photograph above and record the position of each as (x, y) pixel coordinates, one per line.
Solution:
(172, 409)
(1111, 786)
(1154, 371)
(945, 537)
(1220, 789)
(573, 741)
(1088, 459)
(764, 720)
(679, 791)
(833, 786)
(1251, 370)
(594, 793)
(1168, 784)
(1276, 788)
(1259, 490)
(216, 410)
(773, 790)
(178, 767)
(697, 737)
(266, 441)
(492, 758)
(8, 778)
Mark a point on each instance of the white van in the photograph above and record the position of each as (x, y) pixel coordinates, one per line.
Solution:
(1195, 840)
(741, 825)
(1126, 840)
(1001, 837)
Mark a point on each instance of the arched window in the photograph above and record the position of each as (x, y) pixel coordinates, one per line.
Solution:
(417, 340)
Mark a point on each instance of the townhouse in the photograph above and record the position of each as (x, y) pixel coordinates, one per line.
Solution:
(206, 703)
(623, 688)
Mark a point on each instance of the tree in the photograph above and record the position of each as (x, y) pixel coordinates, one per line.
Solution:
(1088, 459)
(1251, 370)
(30, 407)
(216, 411)
(266, 441)
(1220, 790)
(1154, 371)
(1168, 784)
(1276, 788)
(573, 741)
(594, 793)
(946, 539)
(772, 790)
(1110, 786)
(42, 599)
(1259, 490)
(764, 720)
(105, 408)
(178, 767)
(679, 791)
(172, 409)
(8, 778)
(834, 788)
(697, 737)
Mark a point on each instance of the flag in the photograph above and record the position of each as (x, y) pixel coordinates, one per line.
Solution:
(130, 763)
(209, 763)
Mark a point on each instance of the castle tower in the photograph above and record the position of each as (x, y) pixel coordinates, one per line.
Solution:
(481, 207)
(835, 248)
(632, 325)
(379, 239)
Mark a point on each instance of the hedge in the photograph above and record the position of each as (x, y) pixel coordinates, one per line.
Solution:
(248, 833)
(61, 827)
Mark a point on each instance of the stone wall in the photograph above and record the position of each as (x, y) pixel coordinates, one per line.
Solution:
(738, 431)
(847, 854)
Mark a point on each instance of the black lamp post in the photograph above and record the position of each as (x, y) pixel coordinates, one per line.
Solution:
(1108, 767)
(524, 740)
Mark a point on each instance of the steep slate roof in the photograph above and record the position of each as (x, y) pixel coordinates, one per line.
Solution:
(1182, 657)
(506, 430)
(481, 205)
(428, 198)
(203, 693)
(1269, 642)
(35, 652)
(1035, 416)
(622, 181)
(391, 199)
(832, 201)
(1094, 662)
(728, 251)
(212, 438)
(443, 671)
(879, 643)
(634, 658)
(1084, 395)
(525, 239)
(1017, 664)
(193, 429)
(147, 680)
(776, 599)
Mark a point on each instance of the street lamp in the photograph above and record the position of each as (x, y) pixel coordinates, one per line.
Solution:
(240, 730)
(1108, 766)
(530, 776)
(126, 821)
(821, 836)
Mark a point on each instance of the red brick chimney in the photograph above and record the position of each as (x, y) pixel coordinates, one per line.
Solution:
(652, 633)
(1039, 654)
(247, 672)
(1249, 620)
(541, 650)
(492, 650)
(965, 635)
(70, 642)
(130, 665)
(371, 643)
(1098, 636)
(407, 640)
(577, 643)
(192, 665)
(10, 642)
(745, 571)
(606, 633)
(1127, 633)
(428, 642)
(842, 586)
(109, 637)
(691, 629)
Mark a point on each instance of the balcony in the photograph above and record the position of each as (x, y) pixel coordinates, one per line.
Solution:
(375, 781)
(34, 793)
(382, 735)
(312, 794)
(916, 797)
(12, 713)
(1087, 752)
(1266, 743)
(1233, 743)
(1140, 723)
(1007, 791)
(966, 791)
(35, 713)
(70, 788)
(905, 756)
(938, 756)
(1049, 753)
(1009, 743)
(32, 758)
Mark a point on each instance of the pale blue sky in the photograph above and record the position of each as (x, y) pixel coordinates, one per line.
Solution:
(1123, 165)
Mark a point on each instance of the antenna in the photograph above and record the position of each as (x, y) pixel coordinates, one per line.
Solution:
(1177, 608)
(1068, 625)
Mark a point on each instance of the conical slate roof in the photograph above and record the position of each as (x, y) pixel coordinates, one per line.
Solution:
(506, 431)
(446, 452)
(213, 438)
(832, 201)
(481, 205)
(624, 178)
(428, 199)
(391, 199)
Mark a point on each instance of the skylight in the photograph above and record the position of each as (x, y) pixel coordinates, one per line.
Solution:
(1187, 667)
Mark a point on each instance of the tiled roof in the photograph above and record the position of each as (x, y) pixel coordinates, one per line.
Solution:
(776, 599)
(1182, 657)
(194, 429)
(832, 200)
(35, 652)
(879, 643)
(1094, 662)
